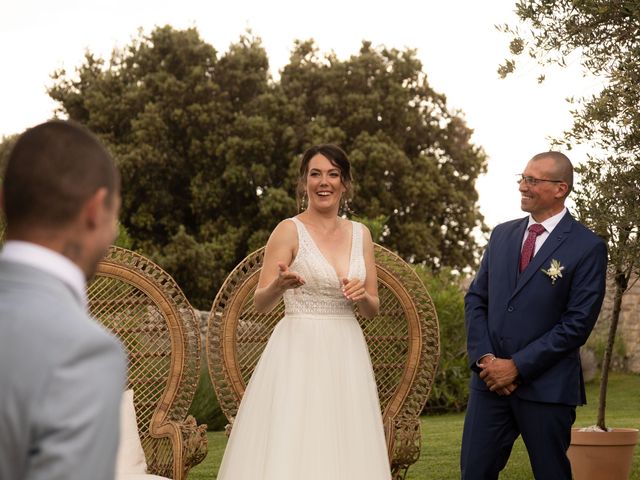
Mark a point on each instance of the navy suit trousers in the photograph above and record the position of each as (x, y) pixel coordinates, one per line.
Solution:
(494, 422)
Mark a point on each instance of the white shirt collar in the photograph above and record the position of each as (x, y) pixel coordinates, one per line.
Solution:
(550, 223)
(49, 261)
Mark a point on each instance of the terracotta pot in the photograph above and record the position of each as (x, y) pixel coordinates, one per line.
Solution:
(602, 455)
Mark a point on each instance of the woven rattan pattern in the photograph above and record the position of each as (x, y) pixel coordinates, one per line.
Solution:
(145, 308)
(403, 341)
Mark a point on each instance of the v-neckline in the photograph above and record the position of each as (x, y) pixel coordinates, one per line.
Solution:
(315, 245)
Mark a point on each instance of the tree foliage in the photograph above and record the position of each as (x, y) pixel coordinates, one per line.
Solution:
(6, 145)
(412, 157)
(450, 389)
(208, 146)
(604, 36)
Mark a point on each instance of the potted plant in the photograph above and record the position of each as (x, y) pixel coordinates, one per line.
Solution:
(607, 201)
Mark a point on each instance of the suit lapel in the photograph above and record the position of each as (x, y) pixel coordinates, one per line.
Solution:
(512, 253)
(551, 244)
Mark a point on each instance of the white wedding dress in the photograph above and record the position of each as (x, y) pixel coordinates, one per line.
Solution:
(311, 409)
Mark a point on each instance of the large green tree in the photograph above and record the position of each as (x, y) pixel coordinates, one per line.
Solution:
(194, 136)
(208, 145)
(413, 159)
(603, 37)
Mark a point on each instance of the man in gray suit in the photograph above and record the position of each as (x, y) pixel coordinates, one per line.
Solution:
(61, 374)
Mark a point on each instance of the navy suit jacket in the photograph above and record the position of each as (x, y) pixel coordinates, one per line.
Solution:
(528, 318)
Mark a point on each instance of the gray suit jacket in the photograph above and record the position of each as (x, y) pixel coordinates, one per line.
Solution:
(61, 380)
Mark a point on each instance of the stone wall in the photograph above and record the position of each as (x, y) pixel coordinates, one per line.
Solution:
(628, 327)
(203, 318)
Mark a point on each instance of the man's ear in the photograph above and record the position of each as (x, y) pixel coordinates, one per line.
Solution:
(563, 190)
(94, 208)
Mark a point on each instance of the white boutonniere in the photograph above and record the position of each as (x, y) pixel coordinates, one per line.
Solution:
(554, 271)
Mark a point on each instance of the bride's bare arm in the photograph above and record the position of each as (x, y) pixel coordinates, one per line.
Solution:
(275, 276)
(365, 293)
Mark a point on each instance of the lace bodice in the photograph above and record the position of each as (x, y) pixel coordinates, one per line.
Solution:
(322, 294)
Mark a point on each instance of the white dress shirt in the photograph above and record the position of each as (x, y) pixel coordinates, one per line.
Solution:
(48, 261)
(549, 224)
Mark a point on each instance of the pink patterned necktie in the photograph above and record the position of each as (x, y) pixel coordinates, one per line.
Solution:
(530, 245)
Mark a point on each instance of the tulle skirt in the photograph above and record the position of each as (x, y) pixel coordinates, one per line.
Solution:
(311, 409)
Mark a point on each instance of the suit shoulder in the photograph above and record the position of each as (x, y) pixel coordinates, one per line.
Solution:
(53, 326)
(508, 226)
(587, 234)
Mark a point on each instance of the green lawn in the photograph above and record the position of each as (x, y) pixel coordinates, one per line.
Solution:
(441, 437)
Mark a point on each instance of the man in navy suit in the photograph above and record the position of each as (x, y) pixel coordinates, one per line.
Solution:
(532, 304)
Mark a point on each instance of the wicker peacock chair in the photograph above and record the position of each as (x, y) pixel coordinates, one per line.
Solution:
(403, 341)
(145, 308)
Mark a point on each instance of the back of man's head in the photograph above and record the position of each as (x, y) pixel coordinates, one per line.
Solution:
(53, 169)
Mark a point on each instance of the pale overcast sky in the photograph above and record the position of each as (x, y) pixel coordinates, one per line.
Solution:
(456, 41)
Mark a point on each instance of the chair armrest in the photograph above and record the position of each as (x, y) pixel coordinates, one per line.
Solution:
(403, 440)
(188, 445)
(194, 441)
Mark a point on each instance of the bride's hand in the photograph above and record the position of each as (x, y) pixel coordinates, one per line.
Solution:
(353, 289)
(287, 278)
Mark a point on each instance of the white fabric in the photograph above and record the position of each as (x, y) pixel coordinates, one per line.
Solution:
(49, 261)
(549, 224)
(311, 408)
(321, 295)
(130, 459)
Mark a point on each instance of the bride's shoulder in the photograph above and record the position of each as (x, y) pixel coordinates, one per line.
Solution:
(286, 225)
(283, 238)
(285, 230)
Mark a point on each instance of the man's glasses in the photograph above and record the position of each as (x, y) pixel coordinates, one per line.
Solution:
(533, 181)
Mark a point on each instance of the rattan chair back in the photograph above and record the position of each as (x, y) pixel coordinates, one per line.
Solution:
(142, 305)
(403, 341)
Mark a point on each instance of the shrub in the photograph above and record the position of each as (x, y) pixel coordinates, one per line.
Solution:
(450, 390)
(205, 407)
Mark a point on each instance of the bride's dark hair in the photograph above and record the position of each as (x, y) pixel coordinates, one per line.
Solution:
(336, 156)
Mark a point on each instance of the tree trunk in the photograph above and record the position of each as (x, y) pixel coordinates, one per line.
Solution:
(620, 287)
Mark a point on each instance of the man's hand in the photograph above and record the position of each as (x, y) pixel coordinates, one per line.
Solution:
(500, 375)
(508, 390)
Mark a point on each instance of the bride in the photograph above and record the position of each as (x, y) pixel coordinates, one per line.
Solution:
(311, 409)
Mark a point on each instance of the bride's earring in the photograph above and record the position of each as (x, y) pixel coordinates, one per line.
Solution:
(304, 201)
(344, 208)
